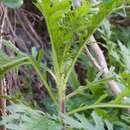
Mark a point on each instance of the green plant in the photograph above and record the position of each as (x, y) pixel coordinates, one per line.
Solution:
(83, 123)
(69, 30)
(24, 118)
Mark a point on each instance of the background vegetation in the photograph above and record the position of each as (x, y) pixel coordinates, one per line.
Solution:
(64, 65)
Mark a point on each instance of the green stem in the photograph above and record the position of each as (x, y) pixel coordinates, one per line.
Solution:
(62, 102)
(43, 80)
(77, 91)
(62, 108)
(61, 92)
(127, 106)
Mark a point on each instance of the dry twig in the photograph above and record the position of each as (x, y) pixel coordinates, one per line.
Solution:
(100, 64)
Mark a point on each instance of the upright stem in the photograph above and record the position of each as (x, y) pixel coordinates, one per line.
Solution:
(62, 108)
(62, 101)
(61, 96)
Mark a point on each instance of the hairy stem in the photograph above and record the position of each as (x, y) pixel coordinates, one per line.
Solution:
(43, 80)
